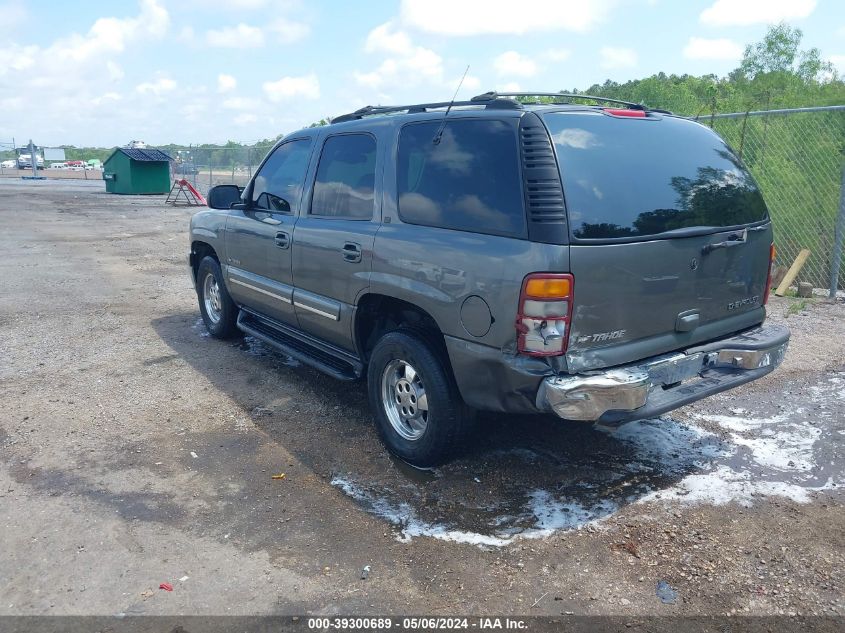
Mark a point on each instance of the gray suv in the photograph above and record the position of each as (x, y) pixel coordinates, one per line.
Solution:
(604, 263)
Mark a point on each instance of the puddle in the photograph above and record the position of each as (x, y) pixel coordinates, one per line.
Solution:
(561, 476)
(199, 328)
(251, 346)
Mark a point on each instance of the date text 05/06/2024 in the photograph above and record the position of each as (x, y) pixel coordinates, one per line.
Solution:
(416, 623)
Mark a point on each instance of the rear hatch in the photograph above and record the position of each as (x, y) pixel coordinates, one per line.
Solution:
(670, 237)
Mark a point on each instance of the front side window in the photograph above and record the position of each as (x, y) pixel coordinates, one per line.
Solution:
(346, 177)
(278, 185)
(469, 180)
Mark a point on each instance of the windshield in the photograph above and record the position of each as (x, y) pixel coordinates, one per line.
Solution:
(625, 177)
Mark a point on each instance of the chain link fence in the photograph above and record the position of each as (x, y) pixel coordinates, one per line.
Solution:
(796, 156)
(207, 166)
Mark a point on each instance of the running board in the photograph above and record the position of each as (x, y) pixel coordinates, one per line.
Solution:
(327, 358)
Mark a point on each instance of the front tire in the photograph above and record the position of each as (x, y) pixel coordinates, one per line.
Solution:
(419, 412)
(219, 312)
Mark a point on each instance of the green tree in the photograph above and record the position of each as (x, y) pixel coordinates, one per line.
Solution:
(778, 52)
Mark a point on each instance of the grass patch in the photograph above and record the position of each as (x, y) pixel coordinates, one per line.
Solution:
(797, 306)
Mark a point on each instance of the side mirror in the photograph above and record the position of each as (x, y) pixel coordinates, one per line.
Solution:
(223, 196)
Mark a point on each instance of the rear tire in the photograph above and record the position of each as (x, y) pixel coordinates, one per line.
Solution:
(419, 412)
(219, 312)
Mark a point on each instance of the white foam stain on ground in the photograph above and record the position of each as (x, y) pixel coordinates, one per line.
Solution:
(779, 460)
(552, 515)
(752, 458)
(403, 517)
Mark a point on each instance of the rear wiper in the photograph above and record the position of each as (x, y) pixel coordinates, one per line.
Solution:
(734, 239)
(689, 231)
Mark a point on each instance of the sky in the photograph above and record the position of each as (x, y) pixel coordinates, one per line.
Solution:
(95, 73)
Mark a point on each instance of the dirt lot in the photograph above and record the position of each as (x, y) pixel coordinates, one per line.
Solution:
(136, 450)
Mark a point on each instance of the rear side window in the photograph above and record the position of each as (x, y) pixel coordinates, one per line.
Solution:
(278, 185)
(625, 177)
(469, 181)
(346, 176)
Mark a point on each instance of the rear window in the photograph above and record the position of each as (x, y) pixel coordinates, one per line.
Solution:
(625, 177)
(469, 181)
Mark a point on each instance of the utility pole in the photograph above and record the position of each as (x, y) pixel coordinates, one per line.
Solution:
(33, 159)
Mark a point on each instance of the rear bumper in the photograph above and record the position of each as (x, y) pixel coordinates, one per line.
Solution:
(657, 385)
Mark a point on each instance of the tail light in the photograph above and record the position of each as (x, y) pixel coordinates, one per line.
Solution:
(545, 311)
(772, 254)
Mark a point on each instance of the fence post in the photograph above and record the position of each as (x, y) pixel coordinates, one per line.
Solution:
(838, 238)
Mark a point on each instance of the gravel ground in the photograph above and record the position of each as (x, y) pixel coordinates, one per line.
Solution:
(136, 450)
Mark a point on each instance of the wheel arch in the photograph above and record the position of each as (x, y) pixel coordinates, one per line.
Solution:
(376, 314)
(199, 250)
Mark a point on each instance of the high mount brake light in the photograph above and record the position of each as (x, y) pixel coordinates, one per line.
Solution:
(636, 114)
(772, 254)
(545, 311)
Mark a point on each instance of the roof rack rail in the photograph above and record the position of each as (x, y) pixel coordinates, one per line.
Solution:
(492, 103)
(567, 95)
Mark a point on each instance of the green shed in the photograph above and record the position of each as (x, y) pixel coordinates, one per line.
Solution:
(135, 170)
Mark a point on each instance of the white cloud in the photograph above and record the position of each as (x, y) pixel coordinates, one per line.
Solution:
(105, 98)
(240, 103)
(236, 5)
(12, 15)
(501, 17)
(78, 69)
(745, 12)
(307, 86)
(407, 62)
(111, 35)
(838, 61)
(512, 63)
(510, 86)
(187, 35)
(424, 61)
(240, 36)
(78, 64)
(158, 87)
(20, 58)
(471, 82)
(557, 54)
(703, 48)
(384, 39)
(194, 110)
(226, 83)
(288, 31)
(614, 57)
(115, 71)
(245, 119)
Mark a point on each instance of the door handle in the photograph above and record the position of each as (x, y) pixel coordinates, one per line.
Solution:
(282, 239)
(351, 252)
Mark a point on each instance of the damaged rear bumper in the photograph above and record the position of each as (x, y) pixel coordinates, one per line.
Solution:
(657, 385)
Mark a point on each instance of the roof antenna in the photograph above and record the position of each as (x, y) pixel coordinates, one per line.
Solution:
(436, 139)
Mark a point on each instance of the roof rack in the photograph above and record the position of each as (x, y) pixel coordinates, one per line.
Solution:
(492, 103)
(491, 100)
(567, 95)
